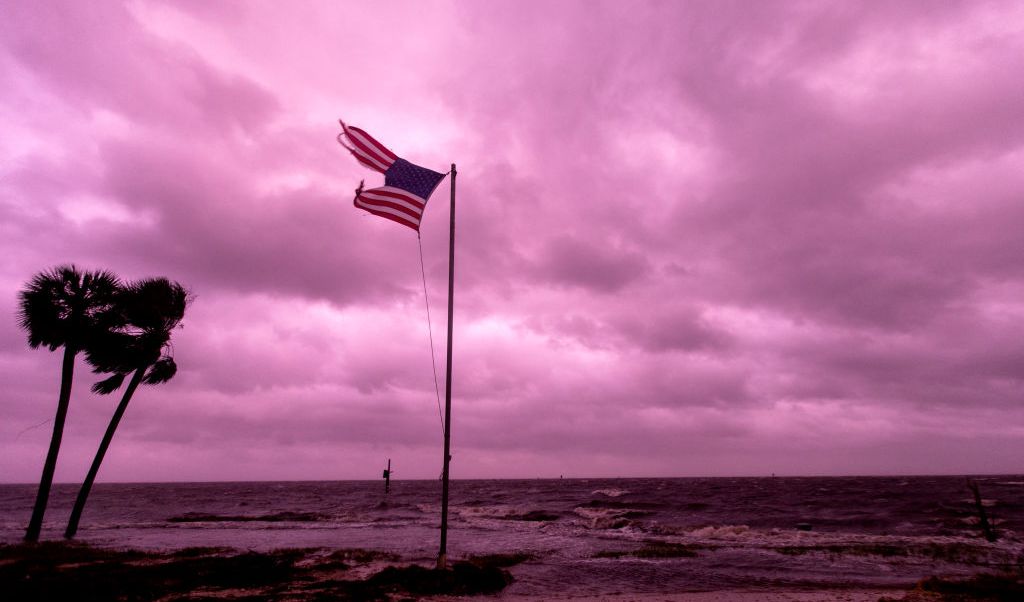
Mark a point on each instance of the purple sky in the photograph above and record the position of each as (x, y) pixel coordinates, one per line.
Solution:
(694, 238)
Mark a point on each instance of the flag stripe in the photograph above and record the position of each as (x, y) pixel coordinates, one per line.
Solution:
(387, 193)
(364, 156)
(376, 161)
(373, 141)
(367, 162)
(384, 207)
(392, 203)
(370, 147)
(390, 214)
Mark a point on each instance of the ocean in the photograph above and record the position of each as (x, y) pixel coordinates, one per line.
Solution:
(584, 536)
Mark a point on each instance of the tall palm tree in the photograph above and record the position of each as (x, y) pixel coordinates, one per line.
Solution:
(150, 309)
(63, 307)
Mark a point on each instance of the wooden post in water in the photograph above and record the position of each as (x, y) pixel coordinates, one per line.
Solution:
(986, 528)
(442, 556)
(387, 477)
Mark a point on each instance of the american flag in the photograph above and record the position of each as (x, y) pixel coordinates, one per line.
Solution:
(406, 186)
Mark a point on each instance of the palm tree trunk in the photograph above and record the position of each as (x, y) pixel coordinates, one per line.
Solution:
(83, 493)
(35, 524)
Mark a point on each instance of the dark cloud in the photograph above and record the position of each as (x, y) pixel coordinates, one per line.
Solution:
(691, 238)
(590, 265)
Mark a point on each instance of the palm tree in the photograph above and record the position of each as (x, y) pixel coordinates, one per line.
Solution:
(150, 309)
(65, 308)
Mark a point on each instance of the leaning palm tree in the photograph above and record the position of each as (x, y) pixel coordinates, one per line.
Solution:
(150, 309)
(63, 307)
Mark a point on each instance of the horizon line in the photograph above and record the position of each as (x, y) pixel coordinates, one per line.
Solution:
(559, 478)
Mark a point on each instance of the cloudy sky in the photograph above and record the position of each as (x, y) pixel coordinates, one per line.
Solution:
(693, 238)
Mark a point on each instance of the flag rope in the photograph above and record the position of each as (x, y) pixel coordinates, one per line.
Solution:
(430, 330)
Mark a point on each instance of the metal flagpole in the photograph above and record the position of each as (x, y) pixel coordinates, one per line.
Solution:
(442, 557)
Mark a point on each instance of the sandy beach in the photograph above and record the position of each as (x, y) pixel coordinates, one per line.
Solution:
(61, 571)
(721, 596)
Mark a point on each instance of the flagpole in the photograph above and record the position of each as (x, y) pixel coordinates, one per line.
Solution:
(442, 557)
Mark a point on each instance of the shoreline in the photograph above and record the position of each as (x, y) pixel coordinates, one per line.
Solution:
(75, 571)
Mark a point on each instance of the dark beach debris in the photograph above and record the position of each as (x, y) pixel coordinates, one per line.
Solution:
(1002, 587)
(532, 515)
(50, 554)
(501, 560)
(277, 517)
(463, 579)
(200, 551)
(362, 556)
(654, 549)
(58, 571)
(71, 571)
(983, 587)
(346, 558)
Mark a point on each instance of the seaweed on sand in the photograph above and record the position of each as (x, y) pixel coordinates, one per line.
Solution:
(501, 560)
(537, 516)
(1002, 587)
(62, 571)
(77, 572)
(983, 587)
(345, 558)
(464, 578)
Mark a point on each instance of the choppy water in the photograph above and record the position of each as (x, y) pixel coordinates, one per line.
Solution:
(744, 532)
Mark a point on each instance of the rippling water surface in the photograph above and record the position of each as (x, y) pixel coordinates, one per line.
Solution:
(587, 536)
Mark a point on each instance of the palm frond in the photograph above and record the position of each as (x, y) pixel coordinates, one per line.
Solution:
(112, 351)
(154, 303)
(63, 305)
(109, 385)
(161, 371)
